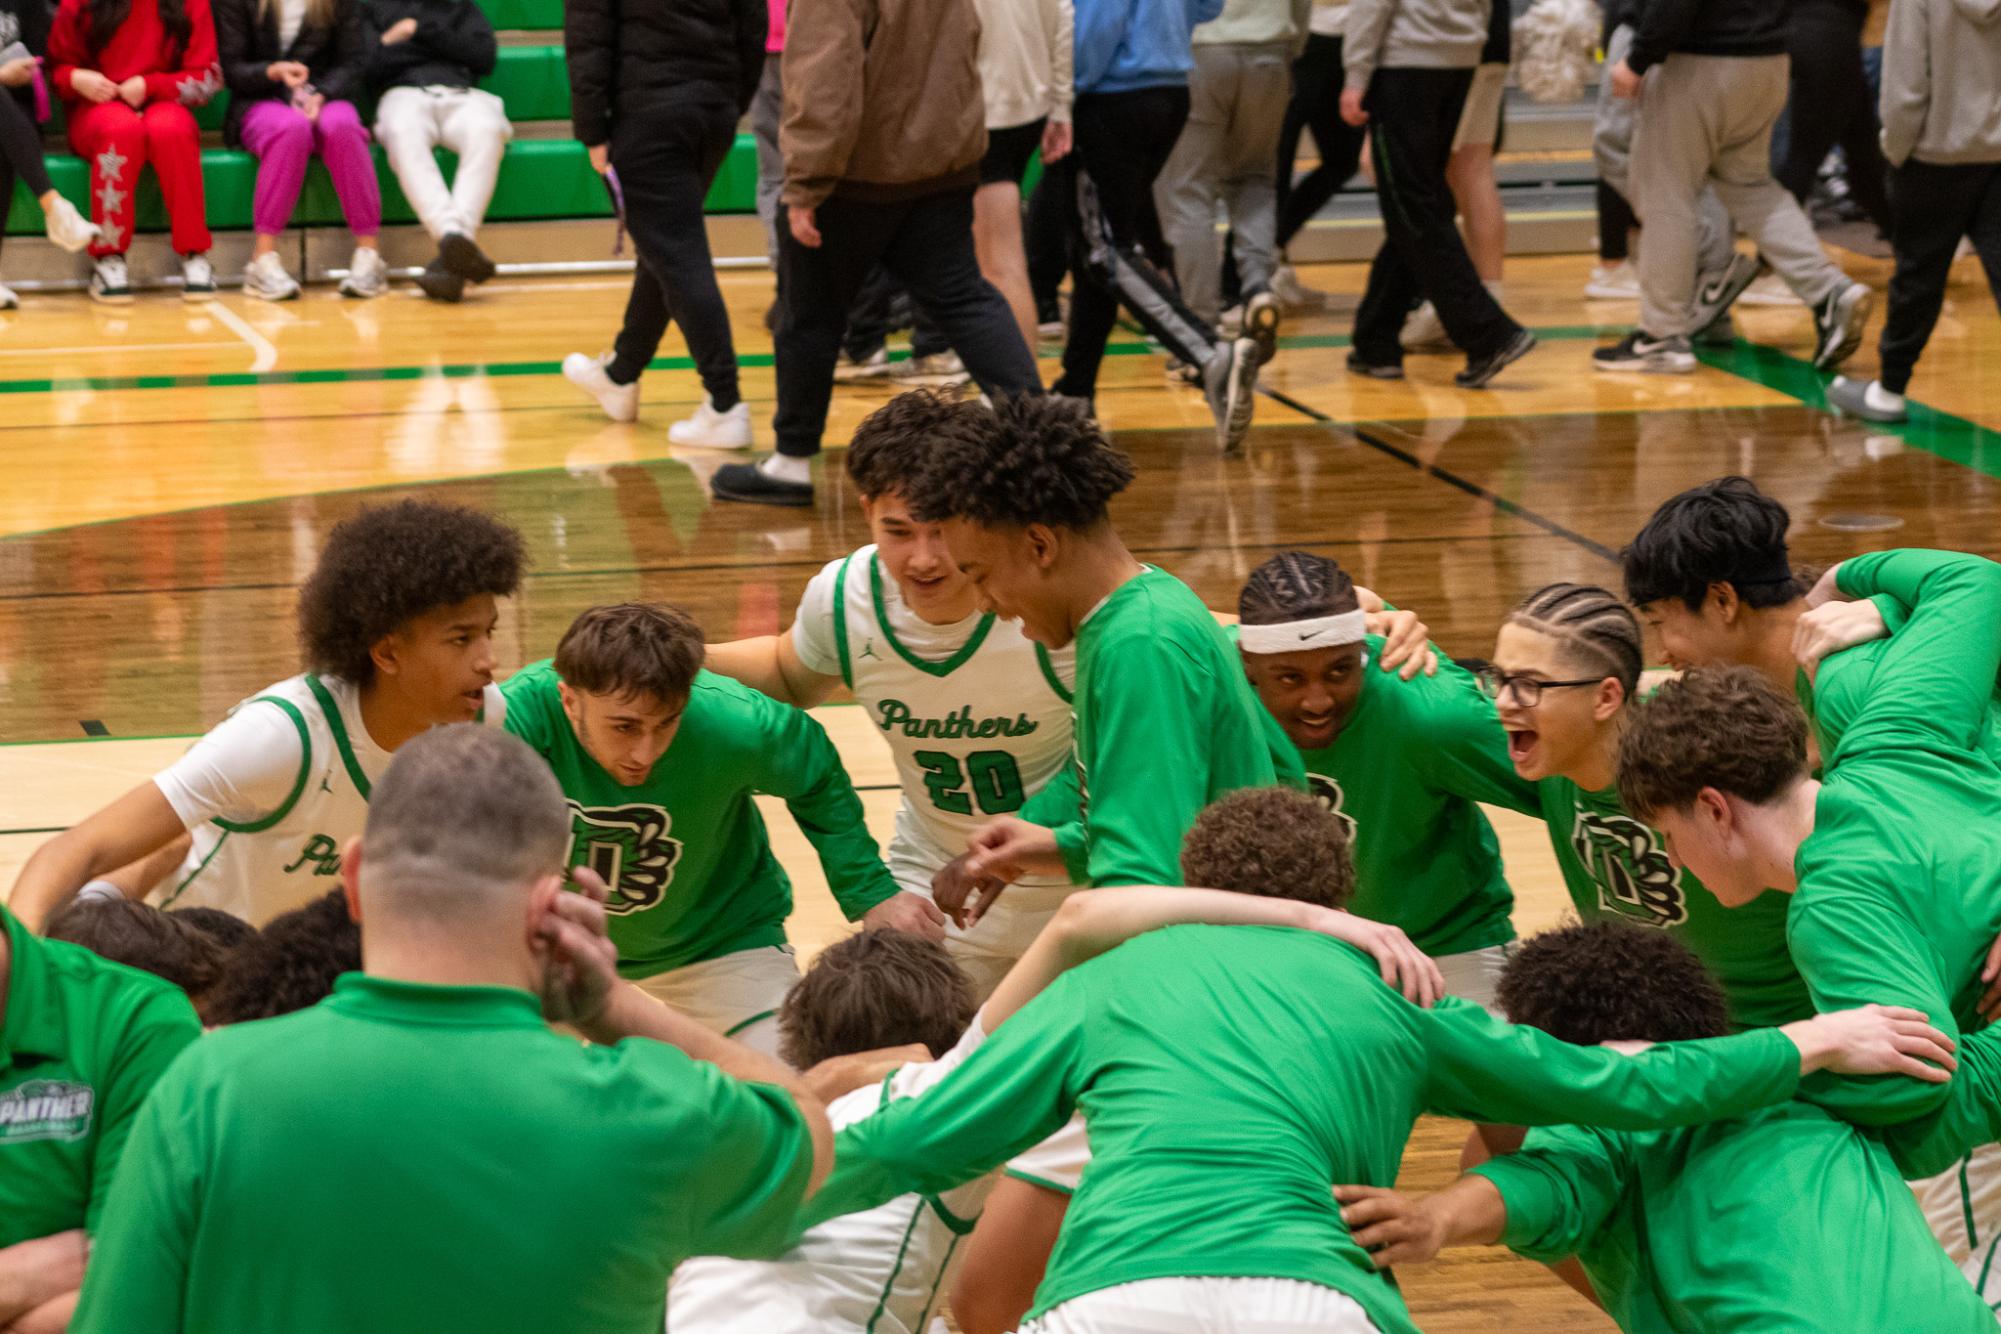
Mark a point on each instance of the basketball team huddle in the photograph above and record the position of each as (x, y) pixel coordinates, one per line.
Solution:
(1750, 1088)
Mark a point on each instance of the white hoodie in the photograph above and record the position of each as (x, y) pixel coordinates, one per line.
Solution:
(1942, 82)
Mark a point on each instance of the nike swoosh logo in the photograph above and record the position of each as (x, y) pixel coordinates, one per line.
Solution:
(1305, 635)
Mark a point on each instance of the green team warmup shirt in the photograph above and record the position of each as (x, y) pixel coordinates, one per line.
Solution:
(1166, 723)
(1409, 764)
(81, 1044)
(1782, 1220)
(1229, 1077)
(435, 1159)
(690, 868)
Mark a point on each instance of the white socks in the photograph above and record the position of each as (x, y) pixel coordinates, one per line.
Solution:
(786, 468)
(1882, 400)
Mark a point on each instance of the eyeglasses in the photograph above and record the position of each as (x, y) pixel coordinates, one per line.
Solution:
(1528, 689)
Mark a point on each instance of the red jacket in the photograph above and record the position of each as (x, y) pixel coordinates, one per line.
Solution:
(139, 46)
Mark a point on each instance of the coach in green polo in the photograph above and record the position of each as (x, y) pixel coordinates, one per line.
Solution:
(420, 1151)
(82, 1042)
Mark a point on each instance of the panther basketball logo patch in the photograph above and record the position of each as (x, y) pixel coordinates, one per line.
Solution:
(46, 1109)
(629, 848)
(1332, 797)
(1634, 877)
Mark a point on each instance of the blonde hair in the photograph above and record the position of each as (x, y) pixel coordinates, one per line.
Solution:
(319, 13)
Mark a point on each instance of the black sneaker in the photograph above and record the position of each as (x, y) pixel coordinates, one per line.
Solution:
(1480, 370)
(1388, 370)
(1230, 383)
(1641, 351)
(1715, 294)
(440, 283)
(750, 484)
(458, 253)
(1838, 323)
(1261, 315)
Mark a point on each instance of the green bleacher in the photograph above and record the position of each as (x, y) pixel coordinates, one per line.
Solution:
(540, 178)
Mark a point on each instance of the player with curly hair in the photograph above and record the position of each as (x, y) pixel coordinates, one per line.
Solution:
(396, 628)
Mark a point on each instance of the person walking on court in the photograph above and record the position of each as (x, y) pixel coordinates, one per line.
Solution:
(1714, 75)
(427, 57)
(655, 93)
(1831, 104)
(128, 74)
(884, 130)
(1942, 134)
(1409, 67)
(1315, 105)
(294, 68)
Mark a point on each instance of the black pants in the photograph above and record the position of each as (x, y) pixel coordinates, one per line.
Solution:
(1046, 238)
(1117, 252)
(1414, 113)
(20, 152)
(1616, 221)
(1934, 207)
(1316, 105)
(927, 245)
(1831, 104)
(665, 163)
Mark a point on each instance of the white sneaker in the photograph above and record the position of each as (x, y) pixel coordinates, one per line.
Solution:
(847, 370)
(67, 227)
(619, 401)
(197, 278)
(1423, 330)
(265, 278)
(941, 370)
(8, 301)
(1614, 282)
(1770, 290)
(710, 429)
(367, 275)
(109, 282)
(1293, 295)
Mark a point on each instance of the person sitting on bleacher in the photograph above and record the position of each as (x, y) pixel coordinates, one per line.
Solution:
(293, 68)
(428, 55)
(24, 32)
(128, 74)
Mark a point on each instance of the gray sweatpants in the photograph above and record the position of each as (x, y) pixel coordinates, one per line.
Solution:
(1237, 97)
(1612, 149)
(1705, 122)
(767, 108)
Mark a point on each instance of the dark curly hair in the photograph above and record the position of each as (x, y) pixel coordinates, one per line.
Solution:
(142, 937)
(1273, 842)
(292, 964)
(1722, 532)
(1030, 459)
(103, 18)
(1612, 981)
(875, 989)
(1721, 727)
(225, 928)
(632, 648)
(1295, 586)
(892, 442)
(388, 565)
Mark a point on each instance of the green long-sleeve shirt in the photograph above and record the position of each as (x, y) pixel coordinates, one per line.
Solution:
(691, 871)
(1228, 1077)
(1783, 1220)
(1166, 723)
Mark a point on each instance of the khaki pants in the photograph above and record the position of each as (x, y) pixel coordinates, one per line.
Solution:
(737, 995)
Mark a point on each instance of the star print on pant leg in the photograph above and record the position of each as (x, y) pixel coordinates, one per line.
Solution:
(109, 198)
(111, 232)
(111, 164)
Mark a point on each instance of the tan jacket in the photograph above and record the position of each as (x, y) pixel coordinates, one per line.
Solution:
(882, 99)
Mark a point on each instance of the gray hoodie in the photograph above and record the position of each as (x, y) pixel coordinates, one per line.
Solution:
(1425, 34)
(1942, 82)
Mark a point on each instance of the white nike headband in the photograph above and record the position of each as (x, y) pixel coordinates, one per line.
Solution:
(1298, 636)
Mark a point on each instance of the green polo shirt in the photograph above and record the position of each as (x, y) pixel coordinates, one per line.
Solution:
(81, 1044)
(408, 1157)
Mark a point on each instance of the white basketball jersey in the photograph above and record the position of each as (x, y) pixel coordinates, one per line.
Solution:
(258, 869)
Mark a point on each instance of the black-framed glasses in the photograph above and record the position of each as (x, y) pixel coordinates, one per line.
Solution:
(1528, 689)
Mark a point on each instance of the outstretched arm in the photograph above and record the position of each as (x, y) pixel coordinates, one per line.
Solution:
(770, 665)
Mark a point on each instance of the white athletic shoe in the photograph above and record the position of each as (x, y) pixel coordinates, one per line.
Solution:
(1294, 296)
(942, 370)
(67, 227)
(1615, 282)
(8, 301)
(265, 278)
(1770, 290)
(367, 275)
(1423, 330)
(619, 401)
(710, 429)
(109, 282)
(847, 370)
(197, 278)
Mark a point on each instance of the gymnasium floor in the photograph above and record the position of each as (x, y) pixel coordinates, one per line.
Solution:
(167, 472)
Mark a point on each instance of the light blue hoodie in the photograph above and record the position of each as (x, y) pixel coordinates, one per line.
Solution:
(1124, 45)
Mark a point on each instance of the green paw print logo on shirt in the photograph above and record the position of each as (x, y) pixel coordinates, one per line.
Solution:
(1635, 879)
(629, 848)
(44, 1109)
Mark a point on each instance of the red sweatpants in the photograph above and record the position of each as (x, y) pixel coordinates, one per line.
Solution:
(117, 142)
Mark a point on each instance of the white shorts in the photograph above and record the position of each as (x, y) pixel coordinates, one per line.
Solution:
(992, 945)
(1058, 1162)
(1480, 122)
(1476, 975)
(737, 995)
(1210, 1305)
(1963, 1207)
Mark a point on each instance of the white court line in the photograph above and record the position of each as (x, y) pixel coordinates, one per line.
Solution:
(266, 356)
(107, 349)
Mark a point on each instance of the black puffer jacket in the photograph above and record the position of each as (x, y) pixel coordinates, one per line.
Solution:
(1707, 28)
(26, 22)
(247, 46)
(628, 58)
(454, 46)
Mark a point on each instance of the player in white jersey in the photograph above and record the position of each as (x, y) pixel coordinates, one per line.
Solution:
(396, 622)
(976, 714)
(884, 1269)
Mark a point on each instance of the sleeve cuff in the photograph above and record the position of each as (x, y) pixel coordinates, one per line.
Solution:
(1075, 845)
(1529, 1199)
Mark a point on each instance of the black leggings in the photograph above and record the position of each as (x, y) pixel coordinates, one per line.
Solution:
(20, 152)
(1832, 104)
(1316, 105)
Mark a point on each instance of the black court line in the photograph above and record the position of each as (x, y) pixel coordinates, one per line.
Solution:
(92, 727)
(1450, 478)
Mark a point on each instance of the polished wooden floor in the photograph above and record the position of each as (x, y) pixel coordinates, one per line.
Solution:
(167, 472)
